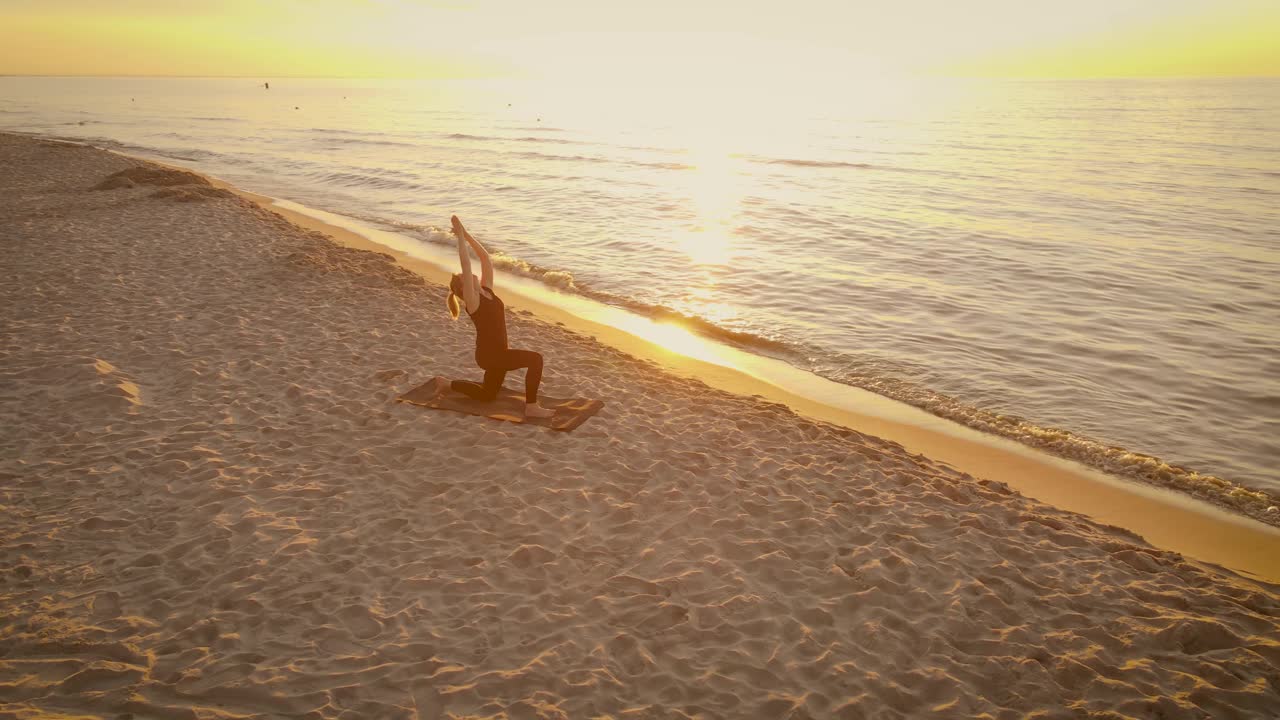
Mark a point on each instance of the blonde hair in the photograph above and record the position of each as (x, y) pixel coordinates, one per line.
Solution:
(454, 306)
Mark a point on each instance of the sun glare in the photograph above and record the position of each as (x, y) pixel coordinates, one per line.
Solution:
(712, 190)
(675, 339)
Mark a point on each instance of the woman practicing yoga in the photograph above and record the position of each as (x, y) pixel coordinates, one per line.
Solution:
(489, 315)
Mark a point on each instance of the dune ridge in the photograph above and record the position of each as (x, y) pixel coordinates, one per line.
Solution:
(214, 508)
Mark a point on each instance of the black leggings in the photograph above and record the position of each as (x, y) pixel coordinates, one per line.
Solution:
(496, 367)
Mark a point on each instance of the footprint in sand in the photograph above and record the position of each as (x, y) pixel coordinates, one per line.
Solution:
(106, 605)
(360, 621)
(528, 556)
(629, 654)
(114, 391)
(99, 523)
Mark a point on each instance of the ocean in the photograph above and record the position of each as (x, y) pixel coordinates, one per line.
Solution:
(1088, 266)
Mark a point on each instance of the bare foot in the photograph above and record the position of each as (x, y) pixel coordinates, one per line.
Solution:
(534, 410)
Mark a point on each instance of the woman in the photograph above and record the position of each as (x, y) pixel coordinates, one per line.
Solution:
(489, 316)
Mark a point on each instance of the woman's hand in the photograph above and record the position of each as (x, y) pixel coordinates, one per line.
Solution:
(486, 265)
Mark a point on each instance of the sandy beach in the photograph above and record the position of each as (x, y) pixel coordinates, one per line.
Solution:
(213, 507)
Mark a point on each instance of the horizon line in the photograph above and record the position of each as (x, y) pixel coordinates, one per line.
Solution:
(1205, 76)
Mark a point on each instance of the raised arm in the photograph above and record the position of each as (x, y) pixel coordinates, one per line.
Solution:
(486, 265)
(470, 293)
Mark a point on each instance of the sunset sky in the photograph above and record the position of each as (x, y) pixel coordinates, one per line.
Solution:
(653, 41)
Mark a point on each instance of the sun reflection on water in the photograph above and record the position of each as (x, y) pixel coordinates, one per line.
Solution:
(674, 338)
(713, 190)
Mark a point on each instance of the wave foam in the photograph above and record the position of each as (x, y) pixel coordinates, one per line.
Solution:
(1066, 444)
(816, 163)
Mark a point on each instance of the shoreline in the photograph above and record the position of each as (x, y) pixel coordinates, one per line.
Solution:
(1079, 455)
(215, 507)
(1251, 497)
(1165, 518)
(1206, 527)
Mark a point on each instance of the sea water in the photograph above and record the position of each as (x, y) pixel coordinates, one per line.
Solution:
(1093, 265)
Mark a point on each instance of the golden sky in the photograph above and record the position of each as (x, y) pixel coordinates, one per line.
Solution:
(656, 41)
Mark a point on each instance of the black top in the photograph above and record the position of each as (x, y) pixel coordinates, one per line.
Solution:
(491, 323)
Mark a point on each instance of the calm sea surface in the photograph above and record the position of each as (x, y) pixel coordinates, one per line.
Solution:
(1095, 257)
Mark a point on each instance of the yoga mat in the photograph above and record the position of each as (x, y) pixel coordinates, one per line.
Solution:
(437, 395)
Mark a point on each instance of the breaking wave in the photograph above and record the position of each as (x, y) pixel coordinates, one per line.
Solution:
(856, 372)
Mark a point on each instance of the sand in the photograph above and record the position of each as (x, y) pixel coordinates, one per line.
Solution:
(1214, 524)
(213, 507)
